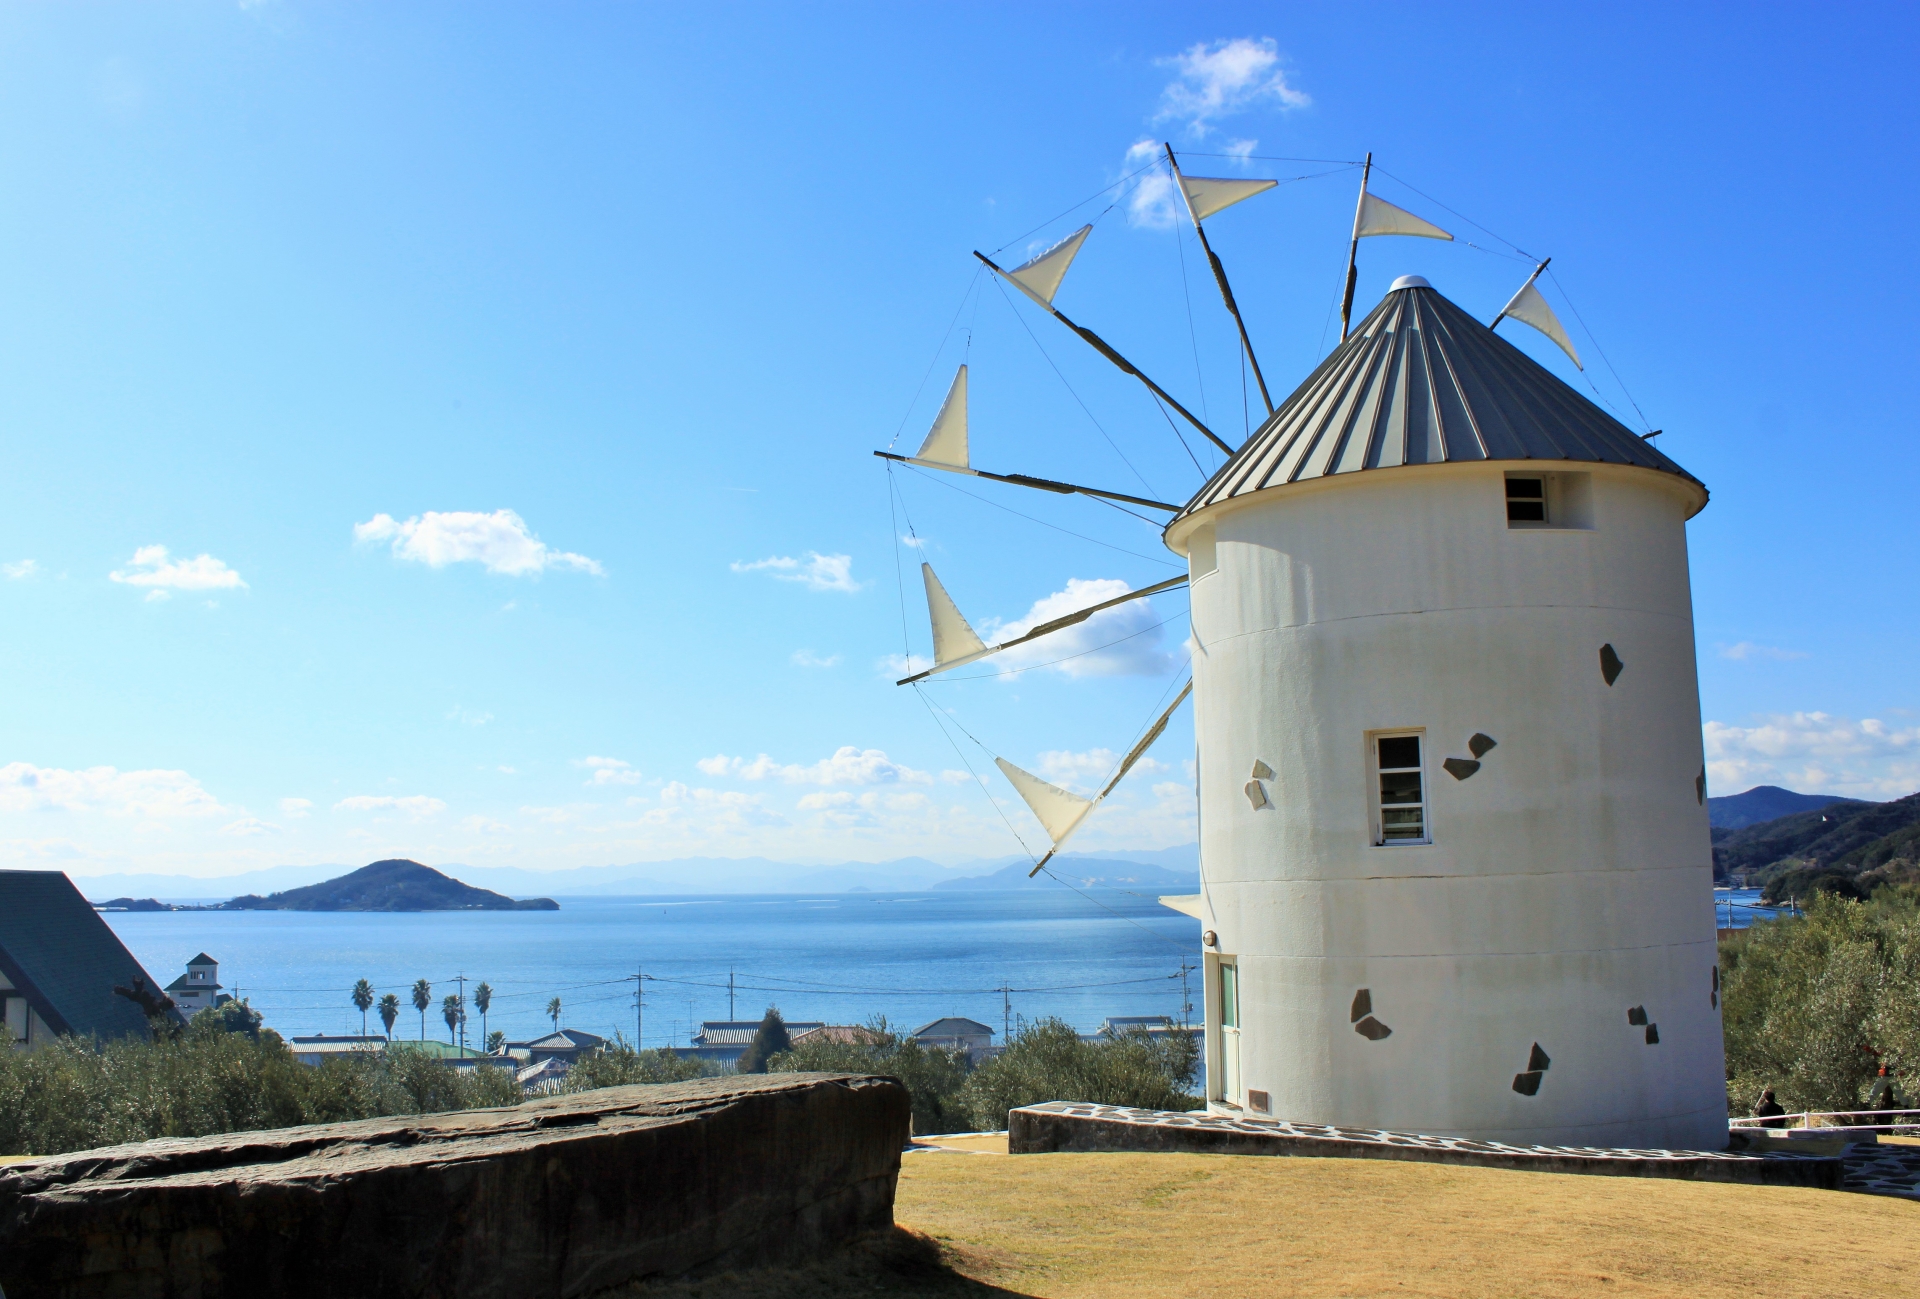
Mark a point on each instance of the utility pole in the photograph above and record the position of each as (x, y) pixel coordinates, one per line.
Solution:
(639, 996)
(1006, 1012)
(1186, 993)
(461, 979)
(729, 994)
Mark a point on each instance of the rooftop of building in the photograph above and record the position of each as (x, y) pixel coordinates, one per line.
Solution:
(57, 951)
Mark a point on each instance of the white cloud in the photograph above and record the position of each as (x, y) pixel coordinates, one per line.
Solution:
(486, 825)
(470, 716)
(296, 806)
(27, 788)
(248, 826)
(819, 572)
(19, 569)
(152, 569)
(609, 771)
(951, 777)
(1090, 770)
(415, 805)
(1153, 203)
(1225, 78)
(808, 659)
(1814, 752)
(500, 542)
(1123, 641)
(903, 665)
(1746, 649)
(914, 543)
(847, 766)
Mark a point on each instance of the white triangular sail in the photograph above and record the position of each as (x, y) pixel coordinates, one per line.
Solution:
(1207, 195)
(946, 443)
(1379, 217)
(1040, 278)
(1529, 306)
(953, 639)
(1056, 809)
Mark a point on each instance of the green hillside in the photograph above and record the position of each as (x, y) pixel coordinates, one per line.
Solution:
(393, 885)
(1845, 847)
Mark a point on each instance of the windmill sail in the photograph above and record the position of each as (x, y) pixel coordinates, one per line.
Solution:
(946, 444)
(1207, 195)
(935, 607)
(1040, 278)
(1058, 810)
(1379, 217)
(1530, 307)
(954, 642)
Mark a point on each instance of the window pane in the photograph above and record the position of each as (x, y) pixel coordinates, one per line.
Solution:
(1525, 487)
(1399, 751)
(1400, 787)
(1229, 996)
(1394, 831)
(1526, 512)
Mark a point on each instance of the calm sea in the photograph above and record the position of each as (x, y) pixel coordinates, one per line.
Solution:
(839, 958)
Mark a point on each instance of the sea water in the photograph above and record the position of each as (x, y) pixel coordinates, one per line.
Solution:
(837, 958)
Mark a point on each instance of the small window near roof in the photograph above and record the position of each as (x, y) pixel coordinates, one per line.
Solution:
(1402, 805)
(1526, 500)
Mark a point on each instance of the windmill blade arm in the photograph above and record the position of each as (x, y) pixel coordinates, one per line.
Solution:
(1146, 741)
(1048, 628)
(1040, 484)
(1037, 866)
(1100, 345)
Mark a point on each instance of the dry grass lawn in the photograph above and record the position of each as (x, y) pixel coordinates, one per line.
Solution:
(1203, 1225)
(980, 1225)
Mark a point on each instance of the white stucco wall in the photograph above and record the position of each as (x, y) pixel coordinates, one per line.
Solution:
(1567, 881)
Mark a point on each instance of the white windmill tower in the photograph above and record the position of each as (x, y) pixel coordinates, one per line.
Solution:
(1456, 873)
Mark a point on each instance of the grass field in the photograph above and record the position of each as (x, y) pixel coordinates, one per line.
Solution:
(1120, 1225)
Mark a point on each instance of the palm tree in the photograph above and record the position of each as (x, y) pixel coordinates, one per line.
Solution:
(422, 998)
(363, 1001)
(496, 1040)
(389, 1011)
(453, 1013)
(553, 1013)
(482, 998)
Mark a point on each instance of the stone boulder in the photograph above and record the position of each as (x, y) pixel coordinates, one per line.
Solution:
(561, 1196)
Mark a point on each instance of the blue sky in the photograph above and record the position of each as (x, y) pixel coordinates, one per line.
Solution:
(400, 405)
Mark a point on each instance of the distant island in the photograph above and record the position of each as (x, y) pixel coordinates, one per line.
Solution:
(392, 885)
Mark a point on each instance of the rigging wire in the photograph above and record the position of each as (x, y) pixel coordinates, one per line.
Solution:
(1193, 334)
(1463, 216)
(941, 722)
(1082, 203)
(972, 284)
(954, 487)
(894, 507)
(1645, 422)
(1070, 388)
(1338, 164)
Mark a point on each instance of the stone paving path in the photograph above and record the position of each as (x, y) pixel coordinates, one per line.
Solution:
(1883, 1170)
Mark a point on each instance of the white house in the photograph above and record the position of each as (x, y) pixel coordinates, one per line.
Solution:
(199, 988)
(1455, 864)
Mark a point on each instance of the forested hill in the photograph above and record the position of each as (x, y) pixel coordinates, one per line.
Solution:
(394, 885)
(1843, 847)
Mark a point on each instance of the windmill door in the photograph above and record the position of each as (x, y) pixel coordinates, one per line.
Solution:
(1228, 1018)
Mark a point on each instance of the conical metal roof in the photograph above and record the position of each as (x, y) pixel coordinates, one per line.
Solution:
(1422, 382)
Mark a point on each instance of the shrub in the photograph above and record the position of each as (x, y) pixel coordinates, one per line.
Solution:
(619, 1065)
(933, 1077)
(1812, 1006)
(1048, 1061)
(79, 1093)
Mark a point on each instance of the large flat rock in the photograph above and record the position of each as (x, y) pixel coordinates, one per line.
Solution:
(558, 1197)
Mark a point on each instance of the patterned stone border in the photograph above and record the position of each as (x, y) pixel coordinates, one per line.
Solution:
(1067, 1126)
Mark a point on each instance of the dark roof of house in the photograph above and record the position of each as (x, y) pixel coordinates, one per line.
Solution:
(953, 1027)
(59, 953)
(184, 984)
(1419, 381)
(739, 1032)
(202, 959)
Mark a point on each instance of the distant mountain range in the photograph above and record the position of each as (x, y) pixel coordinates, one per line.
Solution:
(1764, 803)
(1844, 846)
(1083, 871)
(685, 875)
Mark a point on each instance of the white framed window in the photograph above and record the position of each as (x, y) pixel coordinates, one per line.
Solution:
(1399, 788)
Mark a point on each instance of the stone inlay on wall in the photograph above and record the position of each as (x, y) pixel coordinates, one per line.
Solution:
(1061, 1126)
